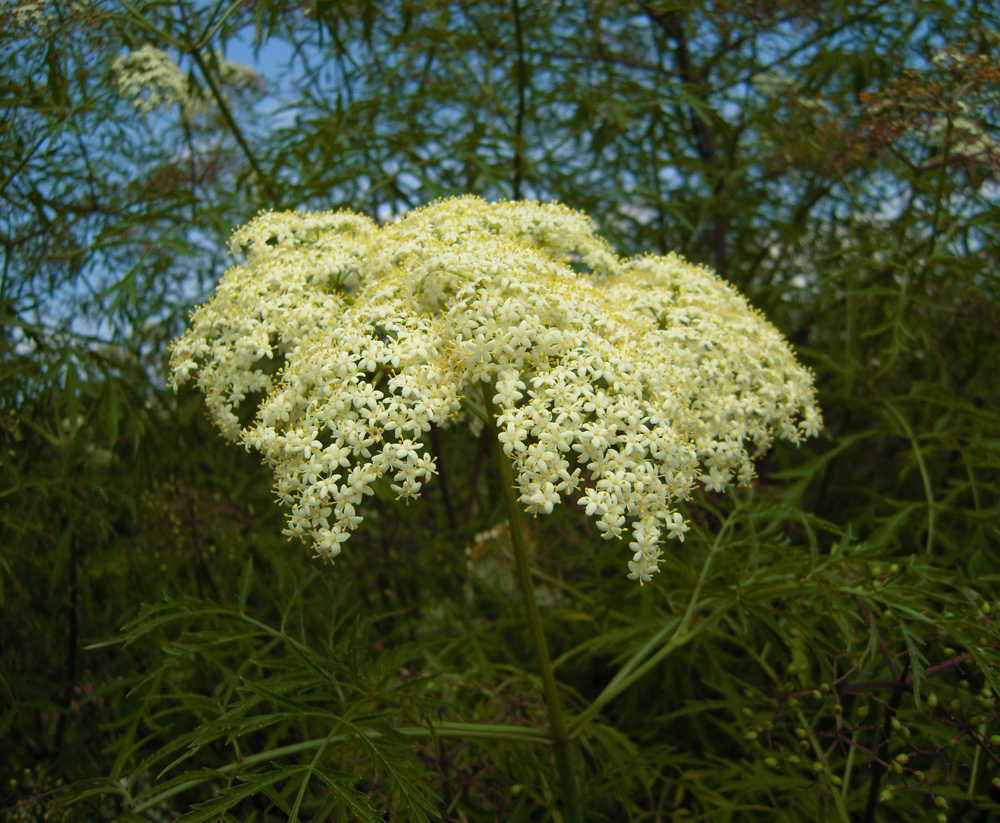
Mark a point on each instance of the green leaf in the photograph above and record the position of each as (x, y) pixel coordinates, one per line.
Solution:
(229, 797)
(918, 662)
(354, 801)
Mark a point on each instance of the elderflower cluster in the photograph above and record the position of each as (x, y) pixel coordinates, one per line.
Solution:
(617, 384)
(19, 18)
(963, 138)
(151, 79)
(26, 13)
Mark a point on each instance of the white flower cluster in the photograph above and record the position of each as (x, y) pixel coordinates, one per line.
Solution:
(967, 138)
(19, 16)
(29, 13)
(151, 79)
(619, 384)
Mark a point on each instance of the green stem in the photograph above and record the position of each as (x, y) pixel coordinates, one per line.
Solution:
(849, 765)
(922, 467)
(557, 726)
(971, 792)
(210, 33)
(264, 178)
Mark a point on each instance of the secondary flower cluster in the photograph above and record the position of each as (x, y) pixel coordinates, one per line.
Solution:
(20, 16)
(619, 384)
(151, 79)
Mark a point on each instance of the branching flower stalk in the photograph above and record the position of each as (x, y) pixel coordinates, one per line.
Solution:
(557, 726)
(615, 385)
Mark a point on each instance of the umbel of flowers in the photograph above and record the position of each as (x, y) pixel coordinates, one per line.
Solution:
(616, 385)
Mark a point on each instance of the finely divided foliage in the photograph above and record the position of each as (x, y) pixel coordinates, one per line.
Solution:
(824, 643)
(618, 384)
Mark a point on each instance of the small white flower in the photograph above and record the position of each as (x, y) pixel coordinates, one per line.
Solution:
(715, 480)
(676, 527)
(639, 571)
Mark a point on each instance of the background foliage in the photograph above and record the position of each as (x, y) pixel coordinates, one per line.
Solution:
(822, 647)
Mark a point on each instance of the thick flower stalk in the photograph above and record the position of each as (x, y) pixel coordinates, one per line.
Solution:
(617, 384)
